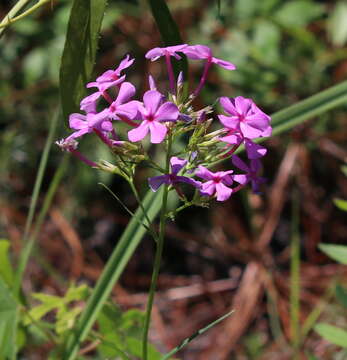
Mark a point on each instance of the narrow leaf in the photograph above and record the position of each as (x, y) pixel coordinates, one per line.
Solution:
(8, 322)
(186, 341)
(332, 333)
(6, 270)
(336, 252)
(79, 51)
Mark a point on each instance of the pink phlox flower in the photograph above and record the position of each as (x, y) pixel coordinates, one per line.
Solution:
(122, 108)
(153, 112)
(196, 52)
(251, 172)
(217, 184)
(109, 76)
(84, 124)
(88, 104)
(151, 83)
(156, 53)
(245, 117)
(171, 179)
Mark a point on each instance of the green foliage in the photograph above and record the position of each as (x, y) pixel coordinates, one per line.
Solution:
(80, 51)
(8, 322)
(337, 24)
(121, 333)
(66, 312)
(6, 270)
(336, 252)
(332, 333)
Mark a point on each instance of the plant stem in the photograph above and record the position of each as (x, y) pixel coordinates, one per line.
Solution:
(157, 259)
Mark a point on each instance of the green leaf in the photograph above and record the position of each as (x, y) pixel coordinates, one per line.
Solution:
(8, 322)
(79, 52)
(344, 169)
(298, 13)
(341, 295)
(332, 333)
(169, 32)
(134, 347)
(66, 320)
(337, 24)
(336, 252)
(6, 270)
(341, 204)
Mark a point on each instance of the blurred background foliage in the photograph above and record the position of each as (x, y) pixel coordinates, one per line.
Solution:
(284, 51)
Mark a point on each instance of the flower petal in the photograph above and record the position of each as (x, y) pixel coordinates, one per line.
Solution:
(158, 132)
(167, 112)
(228, 105)
(126, 92)
(224, 64)
(138, 133)
(77, 121)
(156, 181)
(223, 192)
(177, 164)
(204, 173)
(240, 163)
(243, 105)
(208, 188)
(254, 151)
(152, 100)
(230, 122)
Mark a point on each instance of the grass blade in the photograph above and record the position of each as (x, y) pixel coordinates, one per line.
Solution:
(113, 270)
(186, 341)
(79, 51)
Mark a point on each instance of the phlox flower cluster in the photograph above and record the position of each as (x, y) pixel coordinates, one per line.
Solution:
(171, 121)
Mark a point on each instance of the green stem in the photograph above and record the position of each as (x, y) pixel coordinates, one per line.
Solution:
(155, 274)
(8, 20)
(158, 256)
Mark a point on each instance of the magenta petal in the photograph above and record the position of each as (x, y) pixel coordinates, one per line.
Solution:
(138, 133)
(125, 63)
(208, 188)
(227, 180)
(239, 163)
(177, 164)
(152, 100)
(241, 178)
(258, 121)
(188, 180)
(167, 112)
(223, 192)
(224, 64)
(126, 92)
(233, 139)
(255, 166)
(204, 173)
(228, 105)
(106, 126)
(151, 83)
(157, 181)
(154, 54)
(243, 105)
(230, 122)
(77, 121)
(88, 104)
(254, 151)
(248, 131)
(158, 132)
(108, 75)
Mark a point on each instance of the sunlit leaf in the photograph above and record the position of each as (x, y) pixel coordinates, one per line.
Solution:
(341, 295)
(336, 252)
(337, 24)
(332, 333)
(6, 270)
(341, 204)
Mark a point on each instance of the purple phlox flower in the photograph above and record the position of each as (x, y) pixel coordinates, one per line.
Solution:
(153, 112)
(251, 172)
(171, 179)
(217, 183)
(84, 124)
(88, 104)
(245, 117)
(156, 53)
(109, 76)
(121, 108)
(196, 52)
